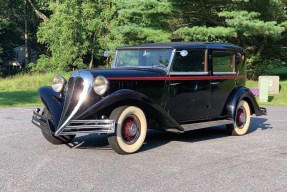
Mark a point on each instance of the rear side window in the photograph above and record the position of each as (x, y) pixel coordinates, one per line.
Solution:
(189, 61)
(223, 61)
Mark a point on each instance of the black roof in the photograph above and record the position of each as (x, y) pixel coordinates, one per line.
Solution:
(183, 45)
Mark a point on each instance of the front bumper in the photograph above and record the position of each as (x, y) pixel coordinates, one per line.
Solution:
(102, 126)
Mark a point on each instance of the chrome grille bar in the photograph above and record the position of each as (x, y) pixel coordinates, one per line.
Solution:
(82, 82)
(90, 124)
(103, 126)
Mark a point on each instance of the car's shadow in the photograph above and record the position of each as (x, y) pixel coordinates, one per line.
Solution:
(156, 139)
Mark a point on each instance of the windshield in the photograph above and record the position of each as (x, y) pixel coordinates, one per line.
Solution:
(143, 58)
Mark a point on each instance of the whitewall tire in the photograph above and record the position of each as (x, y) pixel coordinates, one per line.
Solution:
(130, 129)
(241, 120)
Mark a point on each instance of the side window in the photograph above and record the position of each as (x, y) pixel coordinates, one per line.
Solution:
(223, 61)
(192, 60)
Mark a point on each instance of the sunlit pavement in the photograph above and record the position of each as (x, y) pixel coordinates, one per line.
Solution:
(202, 160)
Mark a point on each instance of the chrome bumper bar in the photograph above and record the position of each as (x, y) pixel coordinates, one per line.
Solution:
(103, 126)
(41, 121)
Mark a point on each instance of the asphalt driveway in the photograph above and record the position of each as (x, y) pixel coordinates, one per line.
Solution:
(201, 160)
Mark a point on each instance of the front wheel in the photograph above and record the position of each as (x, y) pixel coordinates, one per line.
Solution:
(130, 129)
(241, 121)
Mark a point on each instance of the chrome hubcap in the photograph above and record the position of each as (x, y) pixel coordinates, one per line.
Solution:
(240, 117)
(131, 129)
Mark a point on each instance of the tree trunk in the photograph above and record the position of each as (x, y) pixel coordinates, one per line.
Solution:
(27, 46)
(93, 52)
(39, 13)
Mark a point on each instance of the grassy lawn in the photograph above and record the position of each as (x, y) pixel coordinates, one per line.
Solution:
(280, 99)
(19, 98)
(21, 90)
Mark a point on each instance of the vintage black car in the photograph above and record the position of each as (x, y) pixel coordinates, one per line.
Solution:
(177, 86)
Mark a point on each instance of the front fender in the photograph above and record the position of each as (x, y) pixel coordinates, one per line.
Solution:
(238, 94)
(130, 97)
(53, 101)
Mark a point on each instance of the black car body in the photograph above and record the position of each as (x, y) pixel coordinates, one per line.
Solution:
(177, 86)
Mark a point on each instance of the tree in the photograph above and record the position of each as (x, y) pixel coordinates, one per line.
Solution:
(255, 25)
(78, 30)
(20, 24)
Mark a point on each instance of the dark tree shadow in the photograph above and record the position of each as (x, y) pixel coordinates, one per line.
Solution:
(18, 98)
(157, 139)
(270, 98)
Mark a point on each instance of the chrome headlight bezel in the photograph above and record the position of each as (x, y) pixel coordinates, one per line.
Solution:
(58, 83)
(101, 85)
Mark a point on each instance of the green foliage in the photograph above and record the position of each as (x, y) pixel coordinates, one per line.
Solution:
(258, 26)
(66, 36)
(203, 33)
(258, 67)
(88, 28)
(247, 24)
(77, 32)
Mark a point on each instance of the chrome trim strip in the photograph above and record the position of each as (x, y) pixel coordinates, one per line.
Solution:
(88, 86)
(104, 126)
(93, 121)
(170, 61)
(224, 73)
(115, 58)
(83, 132)
(188, 73)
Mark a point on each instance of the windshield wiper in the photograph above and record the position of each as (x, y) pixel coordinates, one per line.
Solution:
(159, 66)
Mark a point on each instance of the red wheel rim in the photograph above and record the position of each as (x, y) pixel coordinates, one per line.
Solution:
(240, 117)
(131, 129)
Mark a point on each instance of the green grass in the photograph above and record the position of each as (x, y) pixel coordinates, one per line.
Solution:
(19, 98)
(24, 82)
(21, 89)
(278, 99)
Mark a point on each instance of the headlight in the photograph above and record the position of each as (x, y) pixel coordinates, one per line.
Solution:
(58, 83)
(101, 85)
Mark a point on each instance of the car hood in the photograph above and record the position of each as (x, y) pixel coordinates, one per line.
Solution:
(128, 72)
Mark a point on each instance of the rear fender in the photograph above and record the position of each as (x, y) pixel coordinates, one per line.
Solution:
(53, 101)
(238, 94)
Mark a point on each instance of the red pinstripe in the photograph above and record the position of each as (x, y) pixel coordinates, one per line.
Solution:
(172, 78)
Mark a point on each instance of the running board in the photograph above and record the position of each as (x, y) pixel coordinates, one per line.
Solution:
(194, 126)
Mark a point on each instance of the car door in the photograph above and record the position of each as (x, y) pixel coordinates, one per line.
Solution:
(223, 79)
(189, 86)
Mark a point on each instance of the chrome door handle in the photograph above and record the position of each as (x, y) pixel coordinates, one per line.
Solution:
(214, 83)
(174, 84)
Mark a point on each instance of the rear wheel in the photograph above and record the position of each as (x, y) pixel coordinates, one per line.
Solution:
(56, 140)
(130, 130)
(241, 121)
